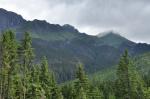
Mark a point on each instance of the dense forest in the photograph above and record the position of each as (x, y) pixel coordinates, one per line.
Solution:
(22, 77)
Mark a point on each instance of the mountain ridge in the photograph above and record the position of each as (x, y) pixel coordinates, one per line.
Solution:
(65, 46)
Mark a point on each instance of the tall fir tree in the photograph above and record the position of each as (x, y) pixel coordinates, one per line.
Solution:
(8, 63)
(26, 61)
(129, 85)
(46, 78)
(5, 65)
(35, 90)
(55, 91)
(81, 84)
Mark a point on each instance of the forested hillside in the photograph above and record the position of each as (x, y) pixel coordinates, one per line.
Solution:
(64, 46)
(23, 78)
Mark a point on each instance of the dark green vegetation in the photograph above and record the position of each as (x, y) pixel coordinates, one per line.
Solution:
(21, 77)
(64, 46)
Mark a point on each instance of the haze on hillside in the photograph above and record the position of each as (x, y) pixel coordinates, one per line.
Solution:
(131, 18)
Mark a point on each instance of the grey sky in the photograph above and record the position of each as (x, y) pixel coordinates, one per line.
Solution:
(131, 18)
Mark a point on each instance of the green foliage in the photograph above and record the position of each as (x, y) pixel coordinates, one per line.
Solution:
(95, 93)
(147, 93)
(21, 78)
(68, 91)
(45, 78)
(128, 83)
(9, 66)
(35, 90)
(81, 84)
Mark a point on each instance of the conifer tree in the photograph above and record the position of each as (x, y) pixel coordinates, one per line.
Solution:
(35, 90)
(81, 94)
(46, 78)
(5, 64)
(95, 93)
(9, 63)
(14, 70)
(81, 85)
(147, 93)
(55, 91)
(68, 91)
(128, 83)
(26, 62)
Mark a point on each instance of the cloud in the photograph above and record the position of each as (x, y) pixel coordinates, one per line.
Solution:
(129, 17)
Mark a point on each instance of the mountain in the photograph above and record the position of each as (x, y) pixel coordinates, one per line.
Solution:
(10, 19)
(141, 62)
(107, 38)
(65, 46)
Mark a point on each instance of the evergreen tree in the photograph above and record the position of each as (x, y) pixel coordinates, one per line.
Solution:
(46, 78)
(81, 85)
(68, 91)
(8, 63)
(5, 64)
(81, 94)
(55, 91)
(128, 83)
(27, 52)
(35, 90)
(26, 62)
(147, 93)
(95, 93)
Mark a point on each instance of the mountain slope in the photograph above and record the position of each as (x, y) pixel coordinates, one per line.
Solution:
(142, 63)
(65, 46)
(46, 31)
(9, 19)
(108, 37)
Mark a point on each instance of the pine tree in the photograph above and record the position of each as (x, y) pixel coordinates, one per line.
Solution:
(68, 91)
(5, 65)
(46, 78)
(81, 94)
(35, 90)
(81, 85)
(14, 71)
(26, 61)
(128, 83)
(55, 91)
(95, 93)
(9, 63)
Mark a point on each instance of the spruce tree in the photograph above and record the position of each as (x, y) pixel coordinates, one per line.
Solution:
(5, 64)
(35, 90)
(129, 85)
(46, 78)
(9, 63)
(26, 61)
(55, 91)
(68, 91)
(95, 93)
(81, 84)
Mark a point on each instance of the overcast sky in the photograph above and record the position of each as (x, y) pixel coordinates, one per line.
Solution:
(131, 18)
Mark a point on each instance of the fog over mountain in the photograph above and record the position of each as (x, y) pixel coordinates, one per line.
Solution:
(131, 18)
